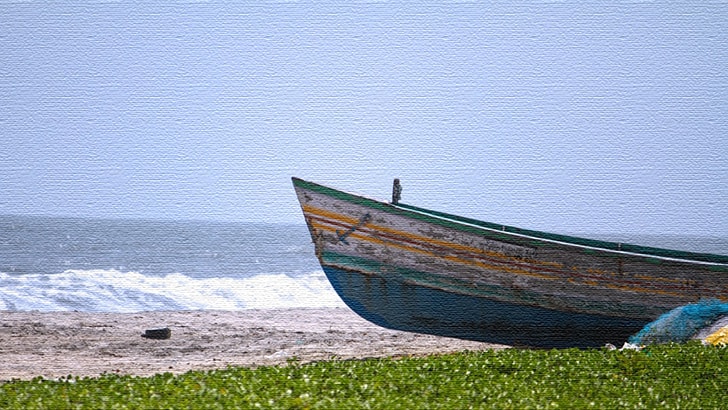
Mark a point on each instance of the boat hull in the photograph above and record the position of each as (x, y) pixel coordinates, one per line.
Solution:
(417, 270)
(397, 305)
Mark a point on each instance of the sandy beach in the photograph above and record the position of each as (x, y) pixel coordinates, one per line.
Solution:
(57, 344)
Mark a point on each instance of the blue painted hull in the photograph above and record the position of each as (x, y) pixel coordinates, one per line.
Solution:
(396, 305)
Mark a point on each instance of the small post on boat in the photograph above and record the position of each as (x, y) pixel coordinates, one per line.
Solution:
(396, 191)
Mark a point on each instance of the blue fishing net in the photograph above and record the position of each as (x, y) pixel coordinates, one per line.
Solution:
(680, 324)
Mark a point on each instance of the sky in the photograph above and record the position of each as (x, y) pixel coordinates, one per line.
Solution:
(560, 116)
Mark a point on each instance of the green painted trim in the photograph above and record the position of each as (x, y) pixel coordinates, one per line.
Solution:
(455, 222)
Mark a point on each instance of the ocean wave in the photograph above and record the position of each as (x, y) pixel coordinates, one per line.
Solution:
(101, 290)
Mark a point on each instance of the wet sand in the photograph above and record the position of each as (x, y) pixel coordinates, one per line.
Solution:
(58, 344)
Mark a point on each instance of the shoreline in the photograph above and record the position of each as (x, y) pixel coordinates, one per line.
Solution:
(89, 344)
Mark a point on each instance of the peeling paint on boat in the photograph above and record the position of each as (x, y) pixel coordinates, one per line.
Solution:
(413, 269)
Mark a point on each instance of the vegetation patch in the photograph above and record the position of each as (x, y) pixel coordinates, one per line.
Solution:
(663, 376)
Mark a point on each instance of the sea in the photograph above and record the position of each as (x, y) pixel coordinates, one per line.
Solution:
(133, 265)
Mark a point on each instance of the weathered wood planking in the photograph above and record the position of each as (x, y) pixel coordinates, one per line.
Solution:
(413, 269)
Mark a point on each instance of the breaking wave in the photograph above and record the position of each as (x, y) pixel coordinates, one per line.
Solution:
(116, 291)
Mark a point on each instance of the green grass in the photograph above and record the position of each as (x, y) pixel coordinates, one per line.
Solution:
(667, 376)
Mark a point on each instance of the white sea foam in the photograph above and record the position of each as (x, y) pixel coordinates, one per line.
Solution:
(116, 291)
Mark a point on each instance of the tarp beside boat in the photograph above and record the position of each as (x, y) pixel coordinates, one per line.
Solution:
(706, 320)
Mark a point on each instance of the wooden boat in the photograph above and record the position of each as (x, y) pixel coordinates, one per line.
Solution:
(408, 268)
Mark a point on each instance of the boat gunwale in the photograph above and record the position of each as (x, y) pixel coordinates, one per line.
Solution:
(474, 225)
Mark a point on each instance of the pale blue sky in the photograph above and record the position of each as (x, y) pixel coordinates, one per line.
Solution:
(563, 116)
